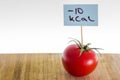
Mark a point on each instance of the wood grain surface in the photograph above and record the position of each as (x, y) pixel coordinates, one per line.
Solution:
(49, 67)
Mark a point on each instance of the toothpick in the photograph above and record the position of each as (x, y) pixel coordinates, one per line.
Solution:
(81, 35)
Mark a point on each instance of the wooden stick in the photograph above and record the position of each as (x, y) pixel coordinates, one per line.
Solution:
(81, 35)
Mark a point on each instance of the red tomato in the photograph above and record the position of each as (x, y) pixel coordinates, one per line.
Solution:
(76, 64)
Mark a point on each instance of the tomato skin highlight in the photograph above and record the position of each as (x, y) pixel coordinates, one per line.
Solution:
(76, 64)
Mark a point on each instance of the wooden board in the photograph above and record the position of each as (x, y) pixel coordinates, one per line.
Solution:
(49, 67)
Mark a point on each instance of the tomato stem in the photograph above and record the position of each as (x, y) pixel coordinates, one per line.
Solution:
(85, 47)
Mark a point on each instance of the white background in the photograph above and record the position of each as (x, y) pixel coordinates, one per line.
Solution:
(36, 26)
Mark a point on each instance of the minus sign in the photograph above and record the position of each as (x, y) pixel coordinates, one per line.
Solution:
(70, 10)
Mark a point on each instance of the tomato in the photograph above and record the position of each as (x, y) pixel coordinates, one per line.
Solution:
(76, 64)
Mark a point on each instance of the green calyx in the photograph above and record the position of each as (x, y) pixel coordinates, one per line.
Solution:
(83, 47)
